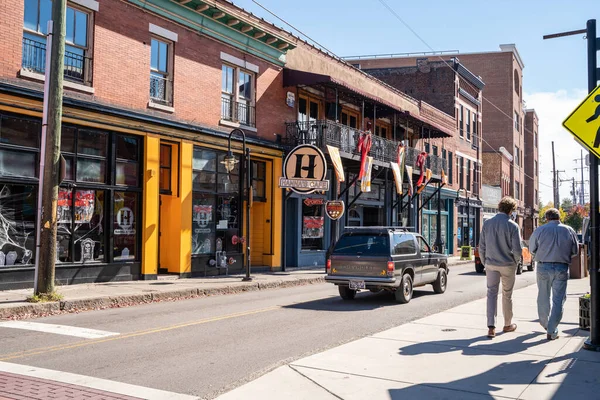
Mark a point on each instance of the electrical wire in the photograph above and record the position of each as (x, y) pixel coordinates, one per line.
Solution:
(391, 10)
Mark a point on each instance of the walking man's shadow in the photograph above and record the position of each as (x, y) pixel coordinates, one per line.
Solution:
(595, 117)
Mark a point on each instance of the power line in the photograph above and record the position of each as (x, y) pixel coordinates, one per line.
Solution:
(391, 10)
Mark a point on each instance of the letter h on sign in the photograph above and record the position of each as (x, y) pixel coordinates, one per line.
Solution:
(310, 168)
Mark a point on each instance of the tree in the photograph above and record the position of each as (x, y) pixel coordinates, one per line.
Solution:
(566, 204)
(575, 217)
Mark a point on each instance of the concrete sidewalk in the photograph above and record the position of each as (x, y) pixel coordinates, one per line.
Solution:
(448, 356)
(94, 296)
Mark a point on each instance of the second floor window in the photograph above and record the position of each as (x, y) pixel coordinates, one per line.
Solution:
(160, 72)
(237, 95)
(461, 125)
(517, 123)
(517, 156)
(468, 124)
(77, 53)
(468, 175)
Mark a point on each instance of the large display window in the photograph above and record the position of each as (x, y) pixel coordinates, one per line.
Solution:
(313, 224)
(216, 211)
(99, 204)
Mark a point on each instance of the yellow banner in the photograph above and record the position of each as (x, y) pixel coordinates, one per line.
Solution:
(334, 153)
(409, 172)
(444, 178)
(428, 174)
(365, 183)
(397, 176)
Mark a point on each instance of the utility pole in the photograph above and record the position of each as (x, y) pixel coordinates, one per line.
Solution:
(582, 194)
(573, 193)
(555, 180)
(593, 46)
(46, 245)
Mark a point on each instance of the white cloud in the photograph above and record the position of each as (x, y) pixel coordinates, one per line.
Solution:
(552, 108)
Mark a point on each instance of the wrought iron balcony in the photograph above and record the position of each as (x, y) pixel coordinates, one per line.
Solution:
(159, 89)
(235, 111)
(34, 60)
(322, 133)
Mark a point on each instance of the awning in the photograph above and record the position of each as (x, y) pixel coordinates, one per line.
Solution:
(292, 77)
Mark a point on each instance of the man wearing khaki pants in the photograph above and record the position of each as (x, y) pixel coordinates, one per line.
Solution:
(500, 252)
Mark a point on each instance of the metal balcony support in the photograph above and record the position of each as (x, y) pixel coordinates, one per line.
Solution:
(431, 197)
(348, 186)
(359, 193)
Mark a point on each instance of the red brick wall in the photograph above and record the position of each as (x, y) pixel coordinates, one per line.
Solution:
(11, 36)
(121, 67)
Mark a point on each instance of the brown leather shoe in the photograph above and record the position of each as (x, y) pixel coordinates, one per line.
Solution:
(491, 332)
(510, 328)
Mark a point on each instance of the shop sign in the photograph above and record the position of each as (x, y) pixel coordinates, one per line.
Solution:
(335, 209)
(336, 160)
(304, 170)
(310, 202)
(125, 222)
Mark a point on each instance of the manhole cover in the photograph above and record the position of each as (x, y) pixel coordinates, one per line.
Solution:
(449, 330)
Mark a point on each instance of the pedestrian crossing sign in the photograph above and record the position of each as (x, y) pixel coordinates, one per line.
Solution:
(584, 122)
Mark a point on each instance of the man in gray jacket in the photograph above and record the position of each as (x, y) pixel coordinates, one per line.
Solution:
(500, 252)
(553, 245)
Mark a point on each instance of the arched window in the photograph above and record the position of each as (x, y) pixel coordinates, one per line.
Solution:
(517, 84)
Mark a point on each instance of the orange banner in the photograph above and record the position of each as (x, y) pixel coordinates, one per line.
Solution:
(334, 153)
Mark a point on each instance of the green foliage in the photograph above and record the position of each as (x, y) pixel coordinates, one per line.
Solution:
(575, 217)
(566, 204)
(542, 214)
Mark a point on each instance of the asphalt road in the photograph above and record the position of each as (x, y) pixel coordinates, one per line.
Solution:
(206, 346)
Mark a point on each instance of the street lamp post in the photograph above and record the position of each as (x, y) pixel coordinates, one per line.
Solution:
(465, 237)
(439, 244)
(229, 162)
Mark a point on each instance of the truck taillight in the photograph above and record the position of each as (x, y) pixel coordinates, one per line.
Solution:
(390, 268)
(328, 265)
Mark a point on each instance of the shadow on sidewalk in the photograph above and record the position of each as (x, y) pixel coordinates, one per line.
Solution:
(517, 345)
(566, 377)
(362, 302)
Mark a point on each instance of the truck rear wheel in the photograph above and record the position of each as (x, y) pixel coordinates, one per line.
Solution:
(405, 291)
(346, 293)
(439, 286)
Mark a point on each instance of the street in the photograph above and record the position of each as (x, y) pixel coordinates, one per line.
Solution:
(207, 346)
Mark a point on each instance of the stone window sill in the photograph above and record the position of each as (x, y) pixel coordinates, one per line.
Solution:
(160, 107)
(66, 84)
(237, 125)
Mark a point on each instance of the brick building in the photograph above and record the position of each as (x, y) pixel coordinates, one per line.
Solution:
(448, 85)
(152, 91)
(532, 173)
(502, 72)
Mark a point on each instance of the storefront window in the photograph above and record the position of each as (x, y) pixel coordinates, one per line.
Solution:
(312, 226)
(80, 235)
(19, 145)
(216, 203)
(17, 224)
(128, 149)
(259, 177)
(125, 213)
(203, 224)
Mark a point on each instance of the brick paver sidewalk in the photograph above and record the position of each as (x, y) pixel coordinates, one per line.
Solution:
(20, 387)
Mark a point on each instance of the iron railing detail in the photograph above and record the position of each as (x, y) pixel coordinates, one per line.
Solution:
(322, 132)
(159, 90)
(34, 60)
(239, 112)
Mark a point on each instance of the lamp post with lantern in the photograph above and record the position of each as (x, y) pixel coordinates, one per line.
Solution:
(466, 238)
(245, 171)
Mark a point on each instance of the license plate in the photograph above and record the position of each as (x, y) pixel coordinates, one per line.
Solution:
(355, 285)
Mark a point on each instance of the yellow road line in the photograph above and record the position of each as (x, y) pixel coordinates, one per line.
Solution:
(49, 349)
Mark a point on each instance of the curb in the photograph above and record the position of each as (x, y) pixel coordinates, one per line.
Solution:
(38, 310)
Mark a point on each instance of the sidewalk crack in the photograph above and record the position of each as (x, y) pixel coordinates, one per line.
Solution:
(316, 383)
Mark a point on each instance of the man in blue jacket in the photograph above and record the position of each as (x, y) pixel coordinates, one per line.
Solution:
(500, 251)
(553, 245)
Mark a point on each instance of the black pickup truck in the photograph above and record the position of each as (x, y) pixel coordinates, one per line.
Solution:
(384, 258)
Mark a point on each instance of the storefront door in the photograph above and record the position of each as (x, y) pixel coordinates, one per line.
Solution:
(169, 205)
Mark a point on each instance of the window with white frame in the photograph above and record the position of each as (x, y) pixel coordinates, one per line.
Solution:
(79, 21)
(161, 83)
(237, 95)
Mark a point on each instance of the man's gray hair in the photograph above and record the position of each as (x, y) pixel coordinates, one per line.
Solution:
(552, 214)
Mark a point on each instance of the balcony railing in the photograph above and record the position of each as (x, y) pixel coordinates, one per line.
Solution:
(322, 133)
(159, 89)
(239, 112)
(34, 60)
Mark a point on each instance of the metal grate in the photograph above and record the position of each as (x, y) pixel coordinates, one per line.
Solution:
(34, 60)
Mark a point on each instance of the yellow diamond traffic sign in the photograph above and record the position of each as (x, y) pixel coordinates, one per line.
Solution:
(584, 122)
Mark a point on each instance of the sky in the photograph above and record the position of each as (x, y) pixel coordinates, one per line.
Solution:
(555, 74)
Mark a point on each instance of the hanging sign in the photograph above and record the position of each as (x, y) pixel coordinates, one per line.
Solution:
(304, 170)
(336, 160)
(397, 177)
(365, 183)
(335, 209)
(409, 172)
(310, 202)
